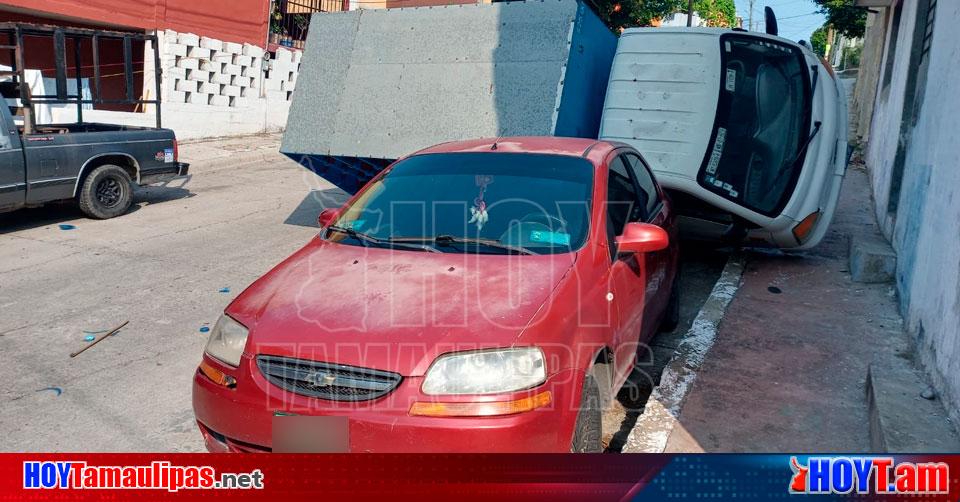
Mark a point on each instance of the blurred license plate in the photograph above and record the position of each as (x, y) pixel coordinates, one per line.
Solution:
(303, 434)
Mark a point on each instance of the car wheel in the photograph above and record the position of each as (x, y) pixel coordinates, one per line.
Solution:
(671, 318)
(587, 432)
(106, 192)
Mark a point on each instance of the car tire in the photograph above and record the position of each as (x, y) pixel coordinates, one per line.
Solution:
(106, 192)
(587, 432)
(671, 318)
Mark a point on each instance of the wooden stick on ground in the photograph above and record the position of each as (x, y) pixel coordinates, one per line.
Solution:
(109, 333)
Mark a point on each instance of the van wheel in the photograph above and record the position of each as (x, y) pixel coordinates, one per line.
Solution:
(587, 432)
(671, 318)
(106, 192)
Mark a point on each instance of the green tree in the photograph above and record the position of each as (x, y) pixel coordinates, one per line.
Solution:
(718, 13)
(818, 41)
(848, 19)
(619, 14)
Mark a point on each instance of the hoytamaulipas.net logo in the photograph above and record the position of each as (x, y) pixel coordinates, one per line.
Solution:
(868, 475)
(158, 475)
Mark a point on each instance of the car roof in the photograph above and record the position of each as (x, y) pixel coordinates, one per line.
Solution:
(573, 147)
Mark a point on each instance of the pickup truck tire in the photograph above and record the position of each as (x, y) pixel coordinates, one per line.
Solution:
(106, 192)
(587, 432)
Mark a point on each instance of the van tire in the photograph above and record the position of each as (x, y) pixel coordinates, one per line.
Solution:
(588, 430)
(106, 192)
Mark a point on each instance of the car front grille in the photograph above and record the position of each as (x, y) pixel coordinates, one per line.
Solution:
(335, 382)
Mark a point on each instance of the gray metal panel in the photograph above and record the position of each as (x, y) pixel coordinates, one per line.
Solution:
(385, 83)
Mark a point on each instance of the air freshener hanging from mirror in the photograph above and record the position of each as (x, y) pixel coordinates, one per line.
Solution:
(478, 213)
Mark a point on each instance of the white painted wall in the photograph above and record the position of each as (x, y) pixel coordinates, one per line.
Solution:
(926, 232)
(212, 88)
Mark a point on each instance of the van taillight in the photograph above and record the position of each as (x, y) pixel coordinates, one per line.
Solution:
(802, 230)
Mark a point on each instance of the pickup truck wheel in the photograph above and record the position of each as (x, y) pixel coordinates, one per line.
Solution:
(106, 192)
(587, 432)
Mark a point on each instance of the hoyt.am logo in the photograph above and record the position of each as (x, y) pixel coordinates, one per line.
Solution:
(876, 475)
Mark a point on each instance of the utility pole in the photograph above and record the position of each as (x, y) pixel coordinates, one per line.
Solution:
(750, 22)
(689, 13)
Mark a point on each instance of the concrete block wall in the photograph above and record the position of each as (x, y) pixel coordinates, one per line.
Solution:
(211, 88)
(205, 71)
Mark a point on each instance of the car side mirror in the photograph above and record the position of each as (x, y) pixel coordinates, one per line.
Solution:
(642, 238)
(327, 216)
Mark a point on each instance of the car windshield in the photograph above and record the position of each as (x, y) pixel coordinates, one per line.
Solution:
(763, 116)
(487, 203)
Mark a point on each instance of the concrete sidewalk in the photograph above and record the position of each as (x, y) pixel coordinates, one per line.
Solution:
(214, 154)
(788, 370)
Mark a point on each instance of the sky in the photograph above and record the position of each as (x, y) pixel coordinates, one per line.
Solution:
(797, 18)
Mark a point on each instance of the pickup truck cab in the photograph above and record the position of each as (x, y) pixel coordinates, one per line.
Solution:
(94, 164)
(747, 131)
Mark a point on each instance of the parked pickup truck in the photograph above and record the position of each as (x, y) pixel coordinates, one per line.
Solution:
(94, 164)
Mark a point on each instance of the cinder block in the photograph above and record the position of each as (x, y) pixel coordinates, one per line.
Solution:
(220, 78)
(297, 56)
(241, 60)
(232, 48)
(230, 90)
(241, 81)
(210, 66)
(256, 63)
(170, 35)
(174, 72)
(276, 95)
(176, 96)
(195, 98)
(198, 52)
(199, 75)
(872, 260)
(284, 56)
(188, 39)
(273, 84)
(211, 43)
(241, 102)
(252, 50)
(217, 100)
(186, 85)
(175, 50)
(188, 63)
(208, 88)
(230, 69)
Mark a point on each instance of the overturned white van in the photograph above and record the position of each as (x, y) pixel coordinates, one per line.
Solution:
(747, 131)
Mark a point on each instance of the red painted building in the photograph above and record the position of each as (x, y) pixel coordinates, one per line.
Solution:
(228, 20)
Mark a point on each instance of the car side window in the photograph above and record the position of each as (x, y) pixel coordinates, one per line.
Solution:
(648, 188)
(622, 202)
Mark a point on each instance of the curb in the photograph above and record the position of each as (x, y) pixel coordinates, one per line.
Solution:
(654, 426)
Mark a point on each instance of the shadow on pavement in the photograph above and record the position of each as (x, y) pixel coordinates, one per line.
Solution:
(305, 215)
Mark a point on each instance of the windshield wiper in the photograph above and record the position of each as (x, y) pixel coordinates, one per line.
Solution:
(790, 166)
(449, 240)
(367, 238)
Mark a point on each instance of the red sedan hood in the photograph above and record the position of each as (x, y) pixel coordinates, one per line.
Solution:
(393, 310)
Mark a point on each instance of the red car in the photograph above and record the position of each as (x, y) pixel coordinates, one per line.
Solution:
(476, 296)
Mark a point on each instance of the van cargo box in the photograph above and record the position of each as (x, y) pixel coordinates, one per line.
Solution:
(379, 84)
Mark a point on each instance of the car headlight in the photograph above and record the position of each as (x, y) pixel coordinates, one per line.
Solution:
(227, 340)
(486, 372)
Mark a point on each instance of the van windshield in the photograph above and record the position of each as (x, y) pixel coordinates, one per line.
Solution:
(763, 116)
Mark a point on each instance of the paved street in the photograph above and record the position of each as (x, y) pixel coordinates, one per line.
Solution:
(161, 267)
